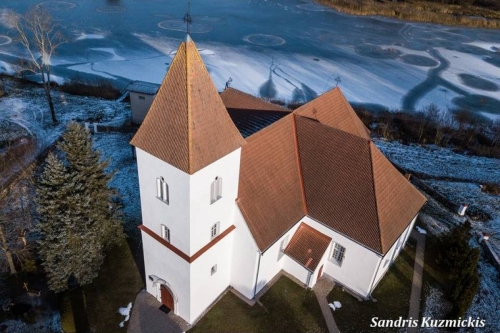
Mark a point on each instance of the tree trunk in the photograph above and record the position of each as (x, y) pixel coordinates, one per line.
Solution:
(8, 255)
(46, 87)
(77, 299)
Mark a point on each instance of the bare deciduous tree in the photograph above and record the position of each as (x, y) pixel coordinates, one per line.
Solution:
(39, 35)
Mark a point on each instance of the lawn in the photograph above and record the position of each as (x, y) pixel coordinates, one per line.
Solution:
(287, 307)
(118, 283)
(392, 295)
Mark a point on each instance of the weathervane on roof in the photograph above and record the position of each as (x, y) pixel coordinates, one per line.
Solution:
(187, 17)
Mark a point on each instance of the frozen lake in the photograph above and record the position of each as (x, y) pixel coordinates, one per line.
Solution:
(287, 49)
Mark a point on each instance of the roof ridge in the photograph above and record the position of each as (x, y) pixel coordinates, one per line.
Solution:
(299, 165)
(370, 143)
(188, 107)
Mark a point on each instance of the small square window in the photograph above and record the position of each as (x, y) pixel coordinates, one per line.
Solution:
(214, 231)
(338, 253)
(142, 98)
(213, 270)
(165, 233)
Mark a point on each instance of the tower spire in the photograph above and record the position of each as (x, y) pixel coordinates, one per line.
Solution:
(187, 18)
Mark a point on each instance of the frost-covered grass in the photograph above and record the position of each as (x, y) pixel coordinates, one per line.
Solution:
(458, 177)
(441, 162)
(115, 147)
(26, 107)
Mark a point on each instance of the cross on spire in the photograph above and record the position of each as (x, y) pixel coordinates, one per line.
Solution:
(187, 17)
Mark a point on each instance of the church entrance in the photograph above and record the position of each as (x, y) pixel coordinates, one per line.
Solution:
(166, 297)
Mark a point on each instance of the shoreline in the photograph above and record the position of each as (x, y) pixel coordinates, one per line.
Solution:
(421, 12)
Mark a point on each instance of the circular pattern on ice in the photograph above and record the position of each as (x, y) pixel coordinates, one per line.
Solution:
(178, 25)
(476, 82)
(111, 9)
(418, 60)
(312, 7)
(56, 5)
(374, 51)
(264, 40)
(4, 40)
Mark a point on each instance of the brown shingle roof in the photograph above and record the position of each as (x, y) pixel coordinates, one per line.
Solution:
(187, 125)
(238, 100)
(397, 199)
(333, 109)
(342, 181)
(270, 190)
(338, 181)
(307, 246)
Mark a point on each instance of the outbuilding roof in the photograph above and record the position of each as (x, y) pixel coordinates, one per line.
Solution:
(142, 87)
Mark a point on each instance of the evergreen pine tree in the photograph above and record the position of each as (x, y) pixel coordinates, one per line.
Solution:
(78, 219)
(91, 185)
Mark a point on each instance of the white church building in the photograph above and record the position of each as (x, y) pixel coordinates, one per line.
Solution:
(309, 194)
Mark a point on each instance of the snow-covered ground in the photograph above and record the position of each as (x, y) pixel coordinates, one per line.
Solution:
(284, 49)
(458, 177)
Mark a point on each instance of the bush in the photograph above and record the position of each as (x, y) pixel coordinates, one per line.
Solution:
(460, 260)
(491, 188)
(99, 88)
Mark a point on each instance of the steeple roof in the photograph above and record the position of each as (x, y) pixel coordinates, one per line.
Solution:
(188, 125)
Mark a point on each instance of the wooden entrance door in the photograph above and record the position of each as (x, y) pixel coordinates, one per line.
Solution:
(166, 297)
(320, 272)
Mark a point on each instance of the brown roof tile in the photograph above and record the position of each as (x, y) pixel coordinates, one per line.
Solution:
(333, 109)
(307, 246)
(338, 181)
(397, 200)
(342, 180)
(270, 193)
(238, 100)
(187, 125)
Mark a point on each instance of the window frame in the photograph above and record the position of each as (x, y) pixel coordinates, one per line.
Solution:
(215, 226)
(216, 190)
(165, 233)
(338, 253)
(162, 190)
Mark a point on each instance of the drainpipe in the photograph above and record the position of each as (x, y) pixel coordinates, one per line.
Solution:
(257, 276)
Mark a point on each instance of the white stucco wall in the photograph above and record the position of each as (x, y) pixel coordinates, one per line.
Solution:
(358, 266)
(393, 253)
(160, 261)
(205, 287)
(140, 107)
(155, 212)
(245, 257)
(272, 259)
(297, 270)
(202, 213)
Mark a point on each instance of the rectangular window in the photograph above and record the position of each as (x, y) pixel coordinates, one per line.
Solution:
(213, 270)
(214, 230)
(142, 98)
(162, 190)
(216, 190)
(338, 253)
(165, 233)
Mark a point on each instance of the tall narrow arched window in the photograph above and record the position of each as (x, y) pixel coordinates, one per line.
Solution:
(216, 190)
(162, 190)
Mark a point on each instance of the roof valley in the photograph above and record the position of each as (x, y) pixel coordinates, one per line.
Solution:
(299, 164)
